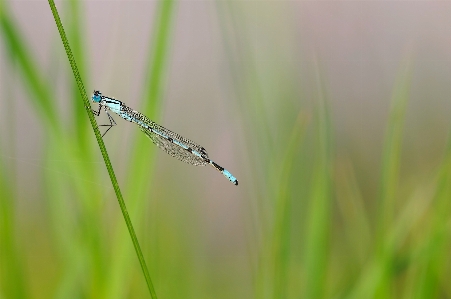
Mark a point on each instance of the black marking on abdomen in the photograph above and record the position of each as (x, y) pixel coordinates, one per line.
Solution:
(216, 166)
(170, 139)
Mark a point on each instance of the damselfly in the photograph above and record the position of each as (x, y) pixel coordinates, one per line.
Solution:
(172, 143)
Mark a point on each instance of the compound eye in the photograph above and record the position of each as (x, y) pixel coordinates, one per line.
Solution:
(96, 97)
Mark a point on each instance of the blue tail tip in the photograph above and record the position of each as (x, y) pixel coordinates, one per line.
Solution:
(230, 177)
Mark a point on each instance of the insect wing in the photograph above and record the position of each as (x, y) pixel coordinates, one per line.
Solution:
(168, 144)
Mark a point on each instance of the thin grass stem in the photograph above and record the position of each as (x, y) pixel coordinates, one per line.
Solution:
(102, 147)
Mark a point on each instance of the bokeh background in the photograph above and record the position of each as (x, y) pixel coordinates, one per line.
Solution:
(333, 115)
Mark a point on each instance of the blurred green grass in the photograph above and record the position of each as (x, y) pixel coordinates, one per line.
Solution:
(310, 233)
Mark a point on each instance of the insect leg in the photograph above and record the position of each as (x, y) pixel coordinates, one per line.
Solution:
(97, 113)
(112, 122)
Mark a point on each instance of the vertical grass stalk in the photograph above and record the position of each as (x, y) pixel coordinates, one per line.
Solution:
(282, 223)
(376, 280)
(318, 223)
(390, 177)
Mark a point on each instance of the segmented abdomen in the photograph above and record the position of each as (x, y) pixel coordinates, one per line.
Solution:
(172, 143)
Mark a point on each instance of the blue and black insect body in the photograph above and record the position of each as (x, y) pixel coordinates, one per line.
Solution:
(172, 143)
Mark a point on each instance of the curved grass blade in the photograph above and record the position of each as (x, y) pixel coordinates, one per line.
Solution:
(38, 88)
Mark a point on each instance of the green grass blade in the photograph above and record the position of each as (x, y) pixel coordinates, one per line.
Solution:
(318, 223)
(378, 275)
(158, 62)
(74, 34)
(11, 270)
(142, 153)
(102, 148)
(17, 49)
(281, 241)
(41, 97)
(435, 252)
(351, 204)
(13, 280)
(159, 55)
(390, 173)
(392, 150)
